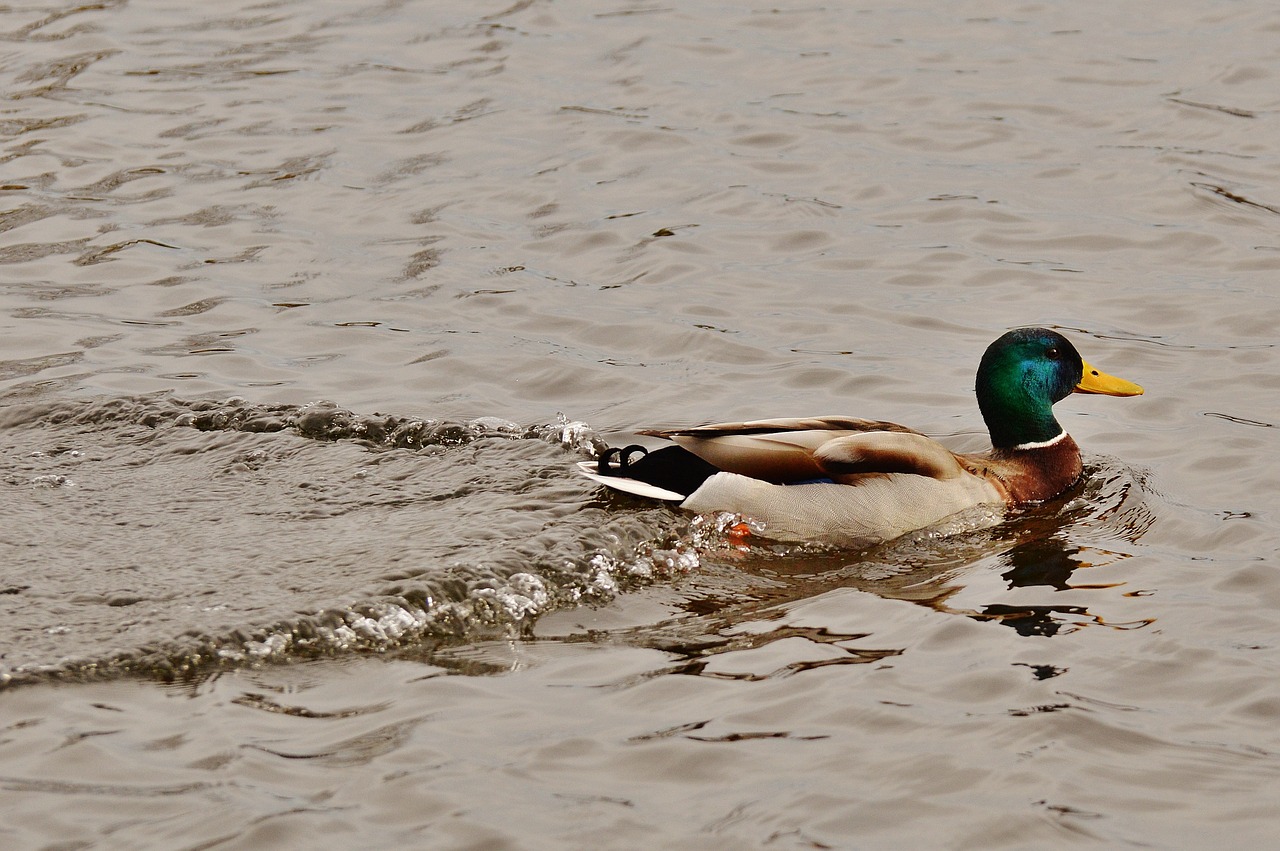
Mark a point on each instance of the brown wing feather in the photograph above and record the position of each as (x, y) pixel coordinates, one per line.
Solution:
(887, 452)
(784, 450)
(836, 423)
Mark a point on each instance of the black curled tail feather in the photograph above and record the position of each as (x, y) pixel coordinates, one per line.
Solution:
(672, 468)
(616, 461)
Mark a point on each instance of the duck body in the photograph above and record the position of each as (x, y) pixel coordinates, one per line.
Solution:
(854, 482)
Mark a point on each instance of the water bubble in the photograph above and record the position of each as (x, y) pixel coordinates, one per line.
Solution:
(577, 435)
(52, 480)
(495, 425)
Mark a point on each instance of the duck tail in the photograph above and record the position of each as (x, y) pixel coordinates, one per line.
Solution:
(672, 468)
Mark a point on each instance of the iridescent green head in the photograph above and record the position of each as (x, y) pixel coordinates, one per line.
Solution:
(1020, 377)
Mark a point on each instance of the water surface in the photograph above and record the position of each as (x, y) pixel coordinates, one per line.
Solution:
(309, 308)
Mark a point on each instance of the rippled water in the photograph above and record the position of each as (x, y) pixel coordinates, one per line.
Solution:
(309, 308)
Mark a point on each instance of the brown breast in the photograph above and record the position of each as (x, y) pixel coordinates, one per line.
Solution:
(1031, 475)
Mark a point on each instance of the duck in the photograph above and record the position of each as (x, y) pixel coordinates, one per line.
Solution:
(848, 481)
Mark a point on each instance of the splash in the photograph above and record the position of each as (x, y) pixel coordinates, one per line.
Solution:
(177, 537)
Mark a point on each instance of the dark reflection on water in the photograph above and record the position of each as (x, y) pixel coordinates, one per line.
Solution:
(1047, 562)
(694, 657)
(1033, 620)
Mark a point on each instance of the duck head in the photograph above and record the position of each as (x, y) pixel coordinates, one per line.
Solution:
(1023, 374)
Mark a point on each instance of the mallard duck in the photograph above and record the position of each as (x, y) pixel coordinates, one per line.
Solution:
(852, 481)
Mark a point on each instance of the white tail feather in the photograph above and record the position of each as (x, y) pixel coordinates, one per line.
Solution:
(631, 486)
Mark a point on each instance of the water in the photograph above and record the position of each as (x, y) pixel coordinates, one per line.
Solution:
(309, 308)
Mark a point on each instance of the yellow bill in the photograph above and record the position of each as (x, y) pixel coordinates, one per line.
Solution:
(1097, 381)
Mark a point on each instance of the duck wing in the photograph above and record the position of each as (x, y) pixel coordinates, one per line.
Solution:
(845, 459)
(784, 424)
(794, 450)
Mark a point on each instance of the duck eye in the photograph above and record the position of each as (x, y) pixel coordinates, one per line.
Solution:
(1052, 353)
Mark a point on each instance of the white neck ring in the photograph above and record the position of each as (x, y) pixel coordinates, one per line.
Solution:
(1043, 443)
